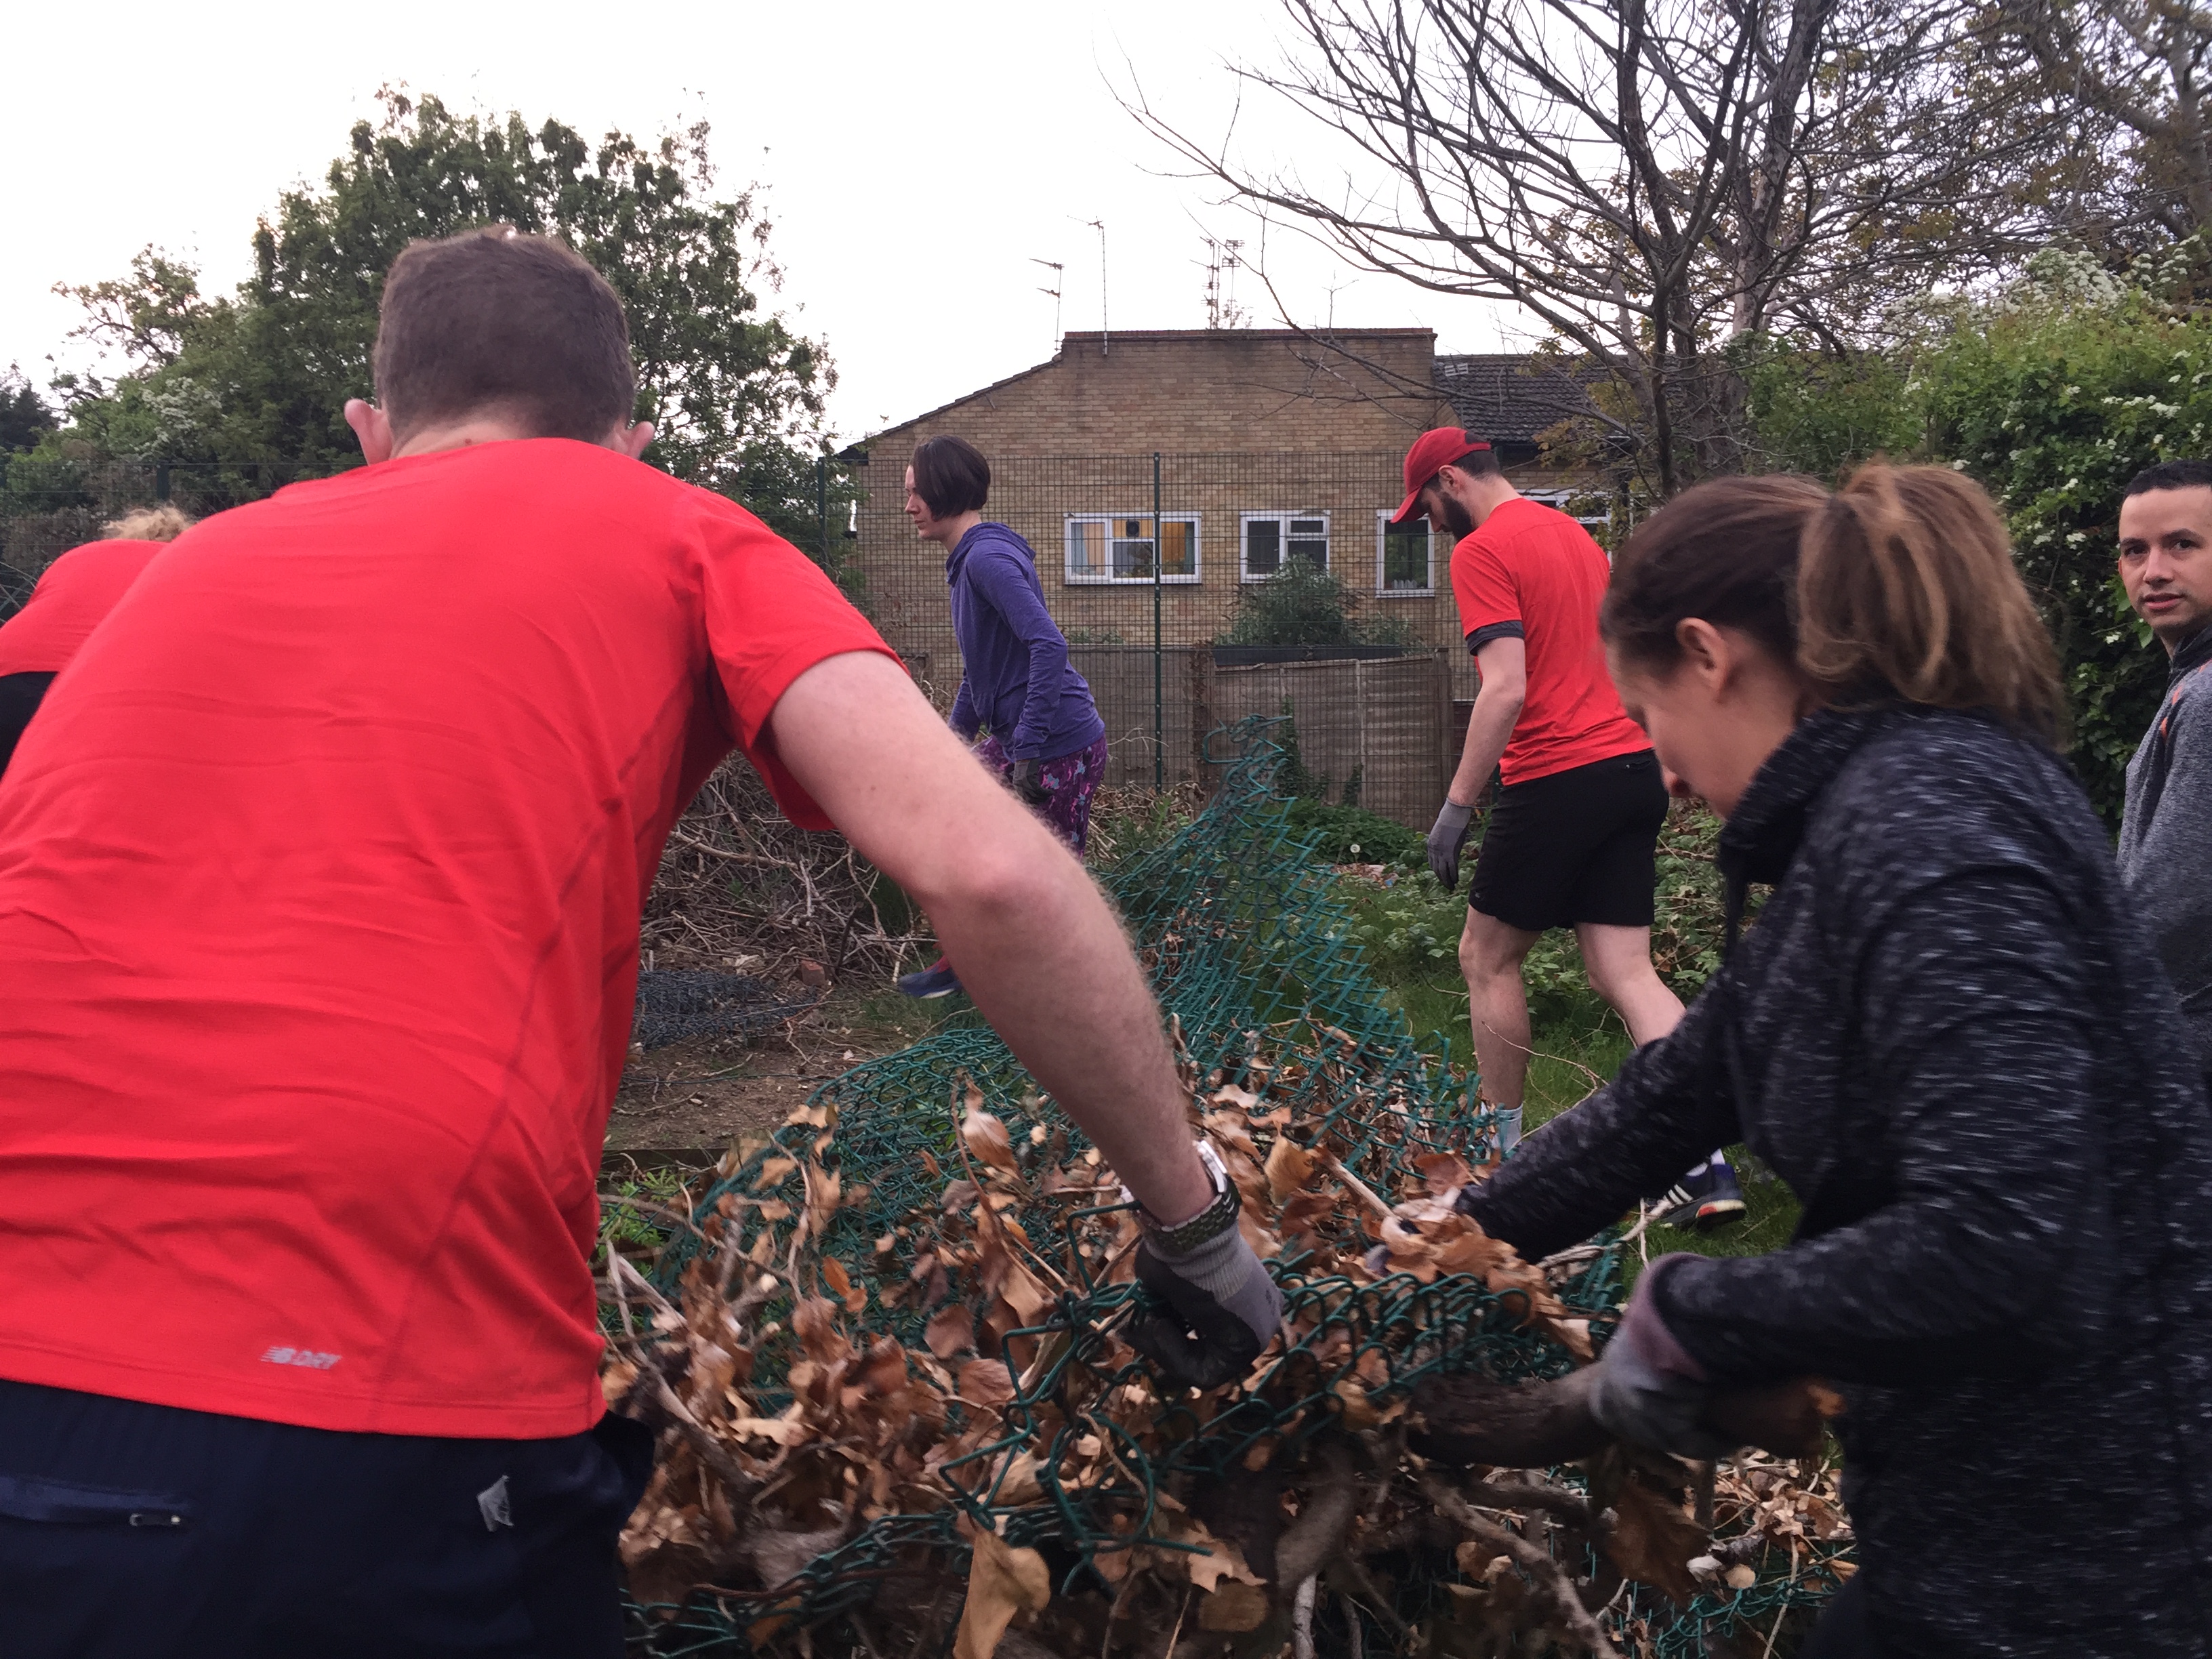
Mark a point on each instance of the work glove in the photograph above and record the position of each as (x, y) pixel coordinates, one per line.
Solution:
(1444, 839)
(1648, 1389)
(1213, 1310)
(1028, 779)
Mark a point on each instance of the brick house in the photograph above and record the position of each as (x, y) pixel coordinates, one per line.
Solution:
(1270, 445)
(1273, 444)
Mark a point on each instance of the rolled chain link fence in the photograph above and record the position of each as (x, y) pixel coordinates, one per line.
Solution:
(1244, 937)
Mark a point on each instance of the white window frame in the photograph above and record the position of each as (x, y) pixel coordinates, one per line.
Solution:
(1282, 521)
(1381, 545)
(1108, 579)
(1558, 498)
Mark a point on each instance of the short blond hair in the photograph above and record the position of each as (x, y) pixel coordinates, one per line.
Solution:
(146, 524)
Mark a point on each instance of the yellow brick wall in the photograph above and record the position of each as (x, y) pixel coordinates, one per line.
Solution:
(1245, 421)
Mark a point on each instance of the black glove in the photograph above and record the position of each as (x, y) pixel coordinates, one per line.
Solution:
(1647, 1390)
(1444, 839)
(1028, 779)
(1220, 1309)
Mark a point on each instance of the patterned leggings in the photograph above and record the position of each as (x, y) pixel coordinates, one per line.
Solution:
(1072, 780)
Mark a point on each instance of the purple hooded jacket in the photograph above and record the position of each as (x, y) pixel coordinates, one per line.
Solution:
(1018, 682)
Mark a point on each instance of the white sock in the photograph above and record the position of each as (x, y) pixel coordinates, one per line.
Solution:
(1508, 1127)
(1717, 1161)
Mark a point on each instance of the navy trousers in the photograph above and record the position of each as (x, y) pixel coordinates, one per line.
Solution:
(129, 1531)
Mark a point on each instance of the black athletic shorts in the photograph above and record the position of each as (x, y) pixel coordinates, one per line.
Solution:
(20, 697)
(1573, 847)
(130, 1531)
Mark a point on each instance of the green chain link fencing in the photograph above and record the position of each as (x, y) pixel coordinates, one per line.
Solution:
(1246, 940)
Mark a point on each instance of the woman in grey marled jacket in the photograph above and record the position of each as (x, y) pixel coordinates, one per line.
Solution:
(1949, 1034)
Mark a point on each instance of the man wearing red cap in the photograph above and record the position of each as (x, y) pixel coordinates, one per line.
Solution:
(1570, 837)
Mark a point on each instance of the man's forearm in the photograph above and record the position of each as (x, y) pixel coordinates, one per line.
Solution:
(1489, 729)
(1049, 967)
(1032, 939)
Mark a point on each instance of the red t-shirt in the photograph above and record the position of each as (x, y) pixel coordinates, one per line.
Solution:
(320, 872)
(1532, 572)
(78, 589)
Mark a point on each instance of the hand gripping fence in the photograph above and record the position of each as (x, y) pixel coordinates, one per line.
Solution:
(1248, 946)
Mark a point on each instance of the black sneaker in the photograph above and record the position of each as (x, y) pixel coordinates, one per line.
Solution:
(1706, 1197)
(938, 979)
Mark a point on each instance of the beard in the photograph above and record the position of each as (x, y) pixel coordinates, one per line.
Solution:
(1457, 519)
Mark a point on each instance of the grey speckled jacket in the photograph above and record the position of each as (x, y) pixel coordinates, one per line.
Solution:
(2165, 835)
(1948, 1035)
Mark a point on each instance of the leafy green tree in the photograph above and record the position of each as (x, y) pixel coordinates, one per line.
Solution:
(737, 396)
(2052, 397)
(24, 417)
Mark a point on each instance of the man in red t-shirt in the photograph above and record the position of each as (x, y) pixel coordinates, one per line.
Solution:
(320, 874)
(74, 593)
(1570, 839)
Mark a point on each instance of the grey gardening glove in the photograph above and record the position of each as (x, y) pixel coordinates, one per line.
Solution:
(1648, 1388)
(1028, 779)
(1444, 839)
(1221, 1309)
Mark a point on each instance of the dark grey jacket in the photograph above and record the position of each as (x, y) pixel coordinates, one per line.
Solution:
(2166, 836)
(1948, 1035)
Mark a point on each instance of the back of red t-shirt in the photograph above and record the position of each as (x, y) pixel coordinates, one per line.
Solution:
(320, 873)
(72, 598)
(1532, 572)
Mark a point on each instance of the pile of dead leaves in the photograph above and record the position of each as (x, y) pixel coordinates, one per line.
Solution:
(846, 1413)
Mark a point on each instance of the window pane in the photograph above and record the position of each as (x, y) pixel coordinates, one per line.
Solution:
(1087, 547)
(1263, 546)
(1312, 548)
(1179, 548)
(1406, 560)
(1132, 558)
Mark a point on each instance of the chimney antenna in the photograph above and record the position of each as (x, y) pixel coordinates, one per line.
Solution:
(1105, 339)
(1059, 278)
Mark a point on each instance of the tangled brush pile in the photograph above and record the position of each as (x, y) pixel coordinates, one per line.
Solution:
(882, 1350)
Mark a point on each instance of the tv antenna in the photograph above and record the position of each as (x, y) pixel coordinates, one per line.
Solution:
(1222, 259)
(1105, 339)
(1059, 279)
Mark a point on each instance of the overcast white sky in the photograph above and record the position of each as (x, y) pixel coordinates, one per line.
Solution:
(915, 157)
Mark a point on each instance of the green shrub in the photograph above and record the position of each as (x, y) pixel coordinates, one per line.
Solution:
(1351, 834)
(1305, 604)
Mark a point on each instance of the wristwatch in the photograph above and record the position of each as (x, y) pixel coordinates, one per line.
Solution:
(1210, 1223)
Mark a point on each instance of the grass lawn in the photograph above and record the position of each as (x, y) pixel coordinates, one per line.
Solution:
(1579, 1042)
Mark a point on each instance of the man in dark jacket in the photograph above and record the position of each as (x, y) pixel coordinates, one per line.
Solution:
(2165, 837)
(1925, 1035)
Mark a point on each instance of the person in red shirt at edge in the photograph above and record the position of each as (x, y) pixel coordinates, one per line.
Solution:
(74, 594)
(320, 874)
(1571, 834)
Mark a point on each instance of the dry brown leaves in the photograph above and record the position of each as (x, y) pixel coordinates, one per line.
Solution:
(749, 1492)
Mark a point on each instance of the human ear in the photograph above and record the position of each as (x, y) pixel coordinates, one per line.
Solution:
(1706, 652)
(373, 426)
(631, 441)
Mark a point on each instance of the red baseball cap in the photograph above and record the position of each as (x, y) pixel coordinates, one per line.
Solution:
(1431, 452)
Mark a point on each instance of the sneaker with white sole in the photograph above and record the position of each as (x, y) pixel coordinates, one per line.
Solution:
(1708, 1197)
(938, 979)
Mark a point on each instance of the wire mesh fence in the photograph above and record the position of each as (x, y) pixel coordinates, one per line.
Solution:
(1243, 938)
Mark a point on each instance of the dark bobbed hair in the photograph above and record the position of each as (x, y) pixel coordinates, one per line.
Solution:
(2169, 475)
(493, 320)
(951, 476)
(1900, 587)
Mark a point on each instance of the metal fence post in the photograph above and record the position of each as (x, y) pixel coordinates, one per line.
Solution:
(160, 481)
(821, 503)
(1160, 699)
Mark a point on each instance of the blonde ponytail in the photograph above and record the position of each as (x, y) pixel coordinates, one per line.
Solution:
(1906, 589)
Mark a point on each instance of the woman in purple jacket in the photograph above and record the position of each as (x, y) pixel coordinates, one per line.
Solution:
(1045, 737)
